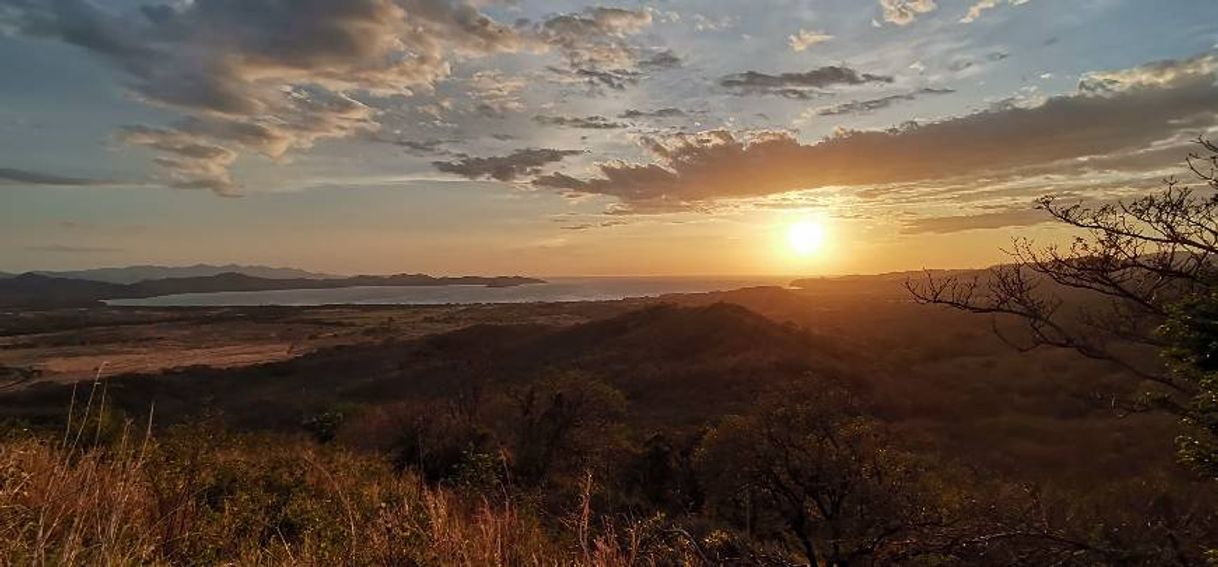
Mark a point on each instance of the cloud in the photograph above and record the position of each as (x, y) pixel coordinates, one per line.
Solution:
(264, 75)
(193, 162)
(798, 85)
(960, 223)
(657, 113)
(10, 175)
(520, 163)
(595, 35)
(963, 64)
(70, 249)
(594, 44)
(1111, 114)
(975, 11)
(1160, 74)
(581, 122)
(707, 23)
(90, 227)
(617, 79)
(904, 12)
(497, 92)
(664, 59)
(420, 147)
(596, 48)
(804, 39)
(592, 225)
(874, 104)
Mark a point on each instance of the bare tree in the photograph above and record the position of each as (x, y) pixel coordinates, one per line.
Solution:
(1106, 294)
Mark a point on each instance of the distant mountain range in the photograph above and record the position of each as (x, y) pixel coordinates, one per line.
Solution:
(135, 274)
(34, 290)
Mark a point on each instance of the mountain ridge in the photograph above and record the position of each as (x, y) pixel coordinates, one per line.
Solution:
(144, 272)
(34, 290)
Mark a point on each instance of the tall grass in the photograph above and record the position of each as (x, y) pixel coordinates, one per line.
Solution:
(106, 494)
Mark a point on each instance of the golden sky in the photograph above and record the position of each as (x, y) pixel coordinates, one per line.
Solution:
(570, 138)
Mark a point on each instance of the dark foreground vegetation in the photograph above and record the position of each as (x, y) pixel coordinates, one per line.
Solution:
(843, 424)
(705, 434)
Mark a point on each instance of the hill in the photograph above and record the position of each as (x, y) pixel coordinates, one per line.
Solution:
(134, 274)
(962, 390)
(674, 364)
(645, 395)
(888, 281)
(33, 290)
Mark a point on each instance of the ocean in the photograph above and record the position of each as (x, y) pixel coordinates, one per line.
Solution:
(555, 290)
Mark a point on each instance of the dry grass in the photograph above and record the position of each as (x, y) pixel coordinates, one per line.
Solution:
(103, 507)
(110, 494)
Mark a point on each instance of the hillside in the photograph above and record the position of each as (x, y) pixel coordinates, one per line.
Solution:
(33, 290)
(674, 365)
(524, 402)
(963, 391)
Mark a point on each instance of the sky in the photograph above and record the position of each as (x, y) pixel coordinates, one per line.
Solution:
(667, 137)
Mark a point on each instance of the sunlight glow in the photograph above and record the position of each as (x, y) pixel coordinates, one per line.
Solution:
(806, 237)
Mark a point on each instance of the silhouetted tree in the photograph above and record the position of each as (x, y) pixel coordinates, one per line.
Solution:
(809, 467)
(1135, 266)
(438, 445)
(1192, 332)
(1147, 521)
(562, 421)
(663, 472)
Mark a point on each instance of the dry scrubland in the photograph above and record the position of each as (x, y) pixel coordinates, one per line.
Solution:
(69, 344)
(255, 501)
(841, 423)
(140, 499)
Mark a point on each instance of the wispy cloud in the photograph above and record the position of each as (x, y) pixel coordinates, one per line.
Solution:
(802, 85)
(269, 77)
(657, 113)
(595, 122)
(975, 11)
(803, 39)
(1026, 216)
(1110, 114)
(72, 249)
(9, 175)
(874, 104)
(904, 12)
(518, 164)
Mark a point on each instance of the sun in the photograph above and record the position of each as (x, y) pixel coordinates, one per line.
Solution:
(806, 237)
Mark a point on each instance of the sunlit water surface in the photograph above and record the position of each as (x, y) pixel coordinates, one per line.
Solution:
(556, 289)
